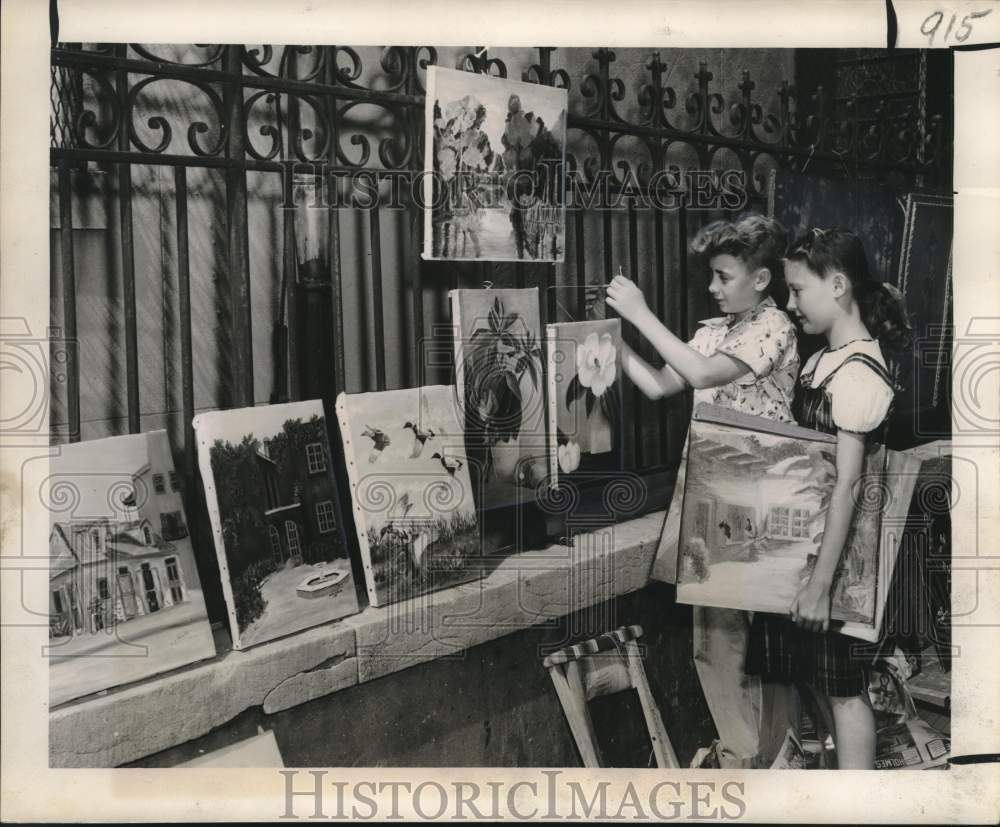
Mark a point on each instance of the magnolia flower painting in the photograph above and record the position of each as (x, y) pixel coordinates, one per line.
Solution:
(584, 392)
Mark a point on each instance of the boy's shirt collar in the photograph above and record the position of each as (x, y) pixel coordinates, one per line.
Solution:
(727, 320)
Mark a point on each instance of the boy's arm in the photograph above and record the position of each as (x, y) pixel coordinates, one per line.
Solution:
(811, 606)
(655, 384)
(697, 370)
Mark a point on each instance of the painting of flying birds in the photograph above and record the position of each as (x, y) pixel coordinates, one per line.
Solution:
(420, 438)
(411, 491)
(379, 442)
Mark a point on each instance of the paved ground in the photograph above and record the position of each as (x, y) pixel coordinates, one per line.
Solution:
(145, 646)
(286, 612)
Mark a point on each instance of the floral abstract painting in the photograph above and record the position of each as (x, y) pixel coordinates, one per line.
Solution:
(414, 510)
(584, 380)
(755, 501)
(500, 381)
(125, 599)
(495, 168)
(272, 499)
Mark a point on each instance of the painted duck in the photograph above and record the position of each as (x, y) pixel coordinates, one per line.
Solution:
(419, 439)
(380, 438)
(450, 464)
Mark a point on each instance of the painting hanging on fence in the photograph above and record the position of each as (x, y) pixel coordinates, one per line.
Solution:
(414, 509)
(584, 394)
(495, 181)
(272, 498)
(125, 599)
(499, 378)
(755, 501)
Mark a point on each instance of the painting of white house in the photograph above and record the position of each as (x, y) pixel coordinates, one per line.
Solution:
(754, 510)
(414, 508)
(272, 499)
(125, 599)
(494, 188)
(584, 399)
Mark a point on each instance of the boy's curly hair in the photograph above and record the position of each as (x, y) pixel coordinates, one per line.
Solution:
(756, 240)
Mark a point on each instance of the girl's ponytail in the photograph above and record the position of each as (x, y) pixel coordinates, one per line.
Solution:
(882, 307)
(883, 311)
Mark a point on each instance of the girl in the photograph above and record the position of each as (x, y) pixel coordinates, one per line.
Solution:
(747, 360)
(844, 389)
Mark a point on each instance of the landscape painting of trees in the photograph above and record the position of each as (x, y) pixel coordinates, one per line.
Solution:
(752, 521)
(272, 499)
(494, 188)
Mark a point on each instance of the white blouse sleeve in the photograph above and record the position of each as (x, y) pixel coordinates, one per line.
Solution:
(859, 398)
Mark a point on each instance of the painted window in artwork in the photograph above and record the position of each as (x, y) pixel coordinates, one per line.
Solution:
(57, 602)
(315, 457)
(275, 542)
(778, 522)
(325, 516)
(175, 481)
(800, 523)
(292, 535)
(102, 588)
(147, 535)
(172, 525)
(95, 540)
(158, 485)
(174, 579)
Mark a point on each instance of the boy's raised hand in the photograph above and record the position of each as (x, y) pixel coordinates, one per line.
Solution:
(625, 297)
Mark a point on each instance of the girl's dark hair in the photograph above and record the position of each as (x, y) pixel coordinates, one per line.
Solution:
(758, 241)
(838, 250)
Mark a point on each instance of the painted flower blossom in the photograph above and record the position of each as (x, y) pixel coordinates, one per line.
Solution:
(569, 457)
(595, 363)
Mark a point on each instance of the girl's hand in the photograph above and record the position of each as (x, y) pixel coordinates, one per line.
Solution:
(811, 607)
(625, 297)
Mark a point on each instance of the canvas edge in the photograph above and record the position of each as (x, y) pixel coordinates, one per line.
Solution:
(426, 252)
(552, 405)
(214, 517)
(359, 521)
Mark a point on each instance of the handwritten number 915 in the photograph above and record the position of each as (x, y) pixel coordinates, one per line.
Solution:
(933, 22)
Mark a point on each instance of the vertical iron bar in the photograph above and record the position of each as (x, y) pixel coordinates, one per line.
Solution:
(661, 312)
(333, 236)
(69, 332)
(636, 399)
(581, 266)
(414, 219)
(286, 373)
(237, 231)
(128, 250)
(377, 304)
(187, 351)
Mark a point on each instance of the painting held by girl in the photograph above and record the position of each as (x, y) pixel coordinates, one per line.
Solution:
(747, 360)
(846, 388)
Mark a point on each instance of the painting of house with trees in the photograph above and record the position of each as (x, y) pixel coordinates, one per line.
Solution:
(753, 516)
(125, 598)
(272, 498)
(495, 164)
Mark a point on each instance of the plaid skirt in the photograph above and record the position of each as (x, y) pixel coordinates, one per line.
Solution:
(832, 663)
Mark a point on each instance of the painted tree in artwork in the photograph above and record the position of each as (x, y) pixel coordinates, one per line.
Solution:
(529, 146)
(462, 150)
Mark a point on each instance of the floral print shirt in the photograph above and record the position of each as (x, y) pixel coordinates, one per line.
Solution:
(765, 342)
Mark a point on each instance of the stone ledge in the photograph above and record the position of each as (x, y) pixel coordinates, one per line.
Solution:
(524, 590)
